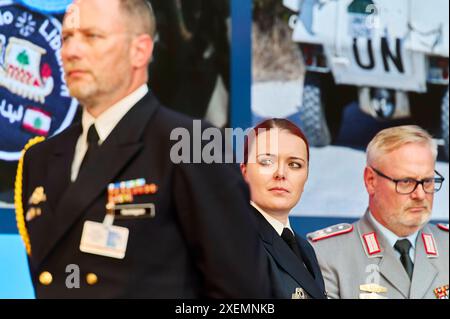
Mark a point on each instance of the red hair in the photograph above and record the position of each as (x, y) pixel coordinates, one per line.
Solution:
(281, 124)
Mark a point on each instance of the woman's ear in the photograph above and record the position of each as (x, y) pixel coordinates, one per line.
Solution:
(244, 171)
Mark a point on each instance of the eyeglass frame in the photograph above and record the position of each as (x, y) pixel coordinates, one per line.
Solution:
(440, 178)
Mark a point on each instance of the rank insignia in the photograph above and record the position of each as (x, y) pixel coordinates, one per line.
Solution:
(299, 294)
(430, 245)
(38, 196)
(441, 292)
(372, 245)
(329, 232)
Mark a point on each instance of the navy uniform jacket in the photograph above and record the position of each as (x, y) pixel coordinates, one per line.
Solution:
(286, 272)
(202, 241)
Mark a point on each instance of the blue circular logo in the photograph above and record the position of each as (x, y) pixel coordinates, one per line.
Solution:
(47, 6)
(34, 98)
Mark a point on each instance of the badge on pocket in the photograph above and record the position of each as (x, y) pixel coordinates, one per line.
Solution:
(104, 240)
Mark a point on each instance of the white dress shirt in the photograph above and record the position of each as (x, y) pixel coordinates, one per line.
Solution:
(392, 238)
(276, 224)
(104, 124)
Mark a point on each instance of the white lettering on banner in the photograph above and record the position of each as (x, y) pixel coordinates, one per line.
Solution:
(31, 69)
(2, 46)
(6, 18)
(64, 90)
(50, 37)
(54, 39)
(386, 54)
(8, 112)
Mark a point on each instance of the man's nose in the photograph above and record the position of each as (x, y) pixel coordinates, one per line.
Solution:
(71, 49)
(419, 192)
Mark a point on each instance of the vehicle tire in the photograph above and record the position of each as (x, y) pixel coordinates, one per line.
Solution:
(312, 112)
(444, 122)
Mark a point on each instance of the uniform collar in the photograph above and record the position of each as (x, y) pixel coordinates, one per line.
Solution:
(275, 223)
(107, 121)
(389, 235)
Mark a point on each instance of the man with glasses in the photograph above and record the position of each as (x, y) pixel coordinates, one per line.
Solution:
(392, 251)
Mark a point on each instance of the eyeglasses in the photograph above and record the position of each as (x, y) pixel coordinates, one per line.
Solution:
(406, 186)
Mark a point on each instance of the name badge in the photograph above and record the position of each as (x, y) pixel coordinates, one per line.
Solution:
(134, 210)
(104, 239)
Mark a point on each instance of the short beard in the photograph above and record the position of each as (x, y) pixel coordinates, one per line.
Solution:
(416, 225)
(423, 220)
(84, 93)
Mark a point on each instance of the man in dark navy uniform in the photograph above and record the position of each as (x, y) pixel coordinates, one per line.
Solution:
(105, 211)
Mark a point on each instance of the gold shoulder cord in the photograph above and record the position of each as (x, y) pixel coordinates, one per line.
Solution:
(18, 203)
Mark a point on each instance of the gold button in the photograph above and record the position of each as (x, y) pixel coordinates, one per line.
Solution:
(45, 278)
(91, 279)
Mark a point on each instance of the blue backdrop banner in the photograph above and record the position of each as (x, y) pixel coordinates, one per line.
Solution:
(34, 99)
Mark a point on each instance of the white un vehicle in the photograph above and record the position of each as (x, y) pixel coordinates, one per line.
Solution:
(392, 56)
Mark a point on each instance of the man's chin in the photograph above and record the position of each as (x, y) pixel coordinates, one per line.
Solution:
(81, 93)
(419, 220)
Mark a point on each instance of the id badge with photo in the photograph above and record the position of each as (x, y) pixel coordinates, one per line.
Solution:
(104, 240)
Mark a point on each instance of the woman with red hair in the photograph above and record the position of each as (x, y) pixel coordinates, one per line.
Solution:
(276, 160)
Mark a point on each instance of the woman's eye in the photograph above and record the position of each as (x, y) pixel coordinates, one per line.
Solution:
(295, 165)
(266, 161)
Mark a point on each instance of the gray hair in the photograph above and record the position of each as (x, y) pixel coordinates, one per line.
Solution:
(141, 14)
(393, 138)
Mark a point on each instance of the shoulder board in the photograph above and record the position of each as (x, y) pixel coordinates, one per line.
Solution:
(329, 232)
(443, 227)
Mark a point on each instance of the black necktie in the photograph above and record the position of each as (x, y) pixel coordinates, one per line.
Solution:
(403, 246)
(92, 141)
(289, 238)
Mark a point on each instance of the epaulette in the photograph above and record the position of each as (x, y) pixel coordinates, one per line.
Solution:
(444, 227)
(329, 232)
